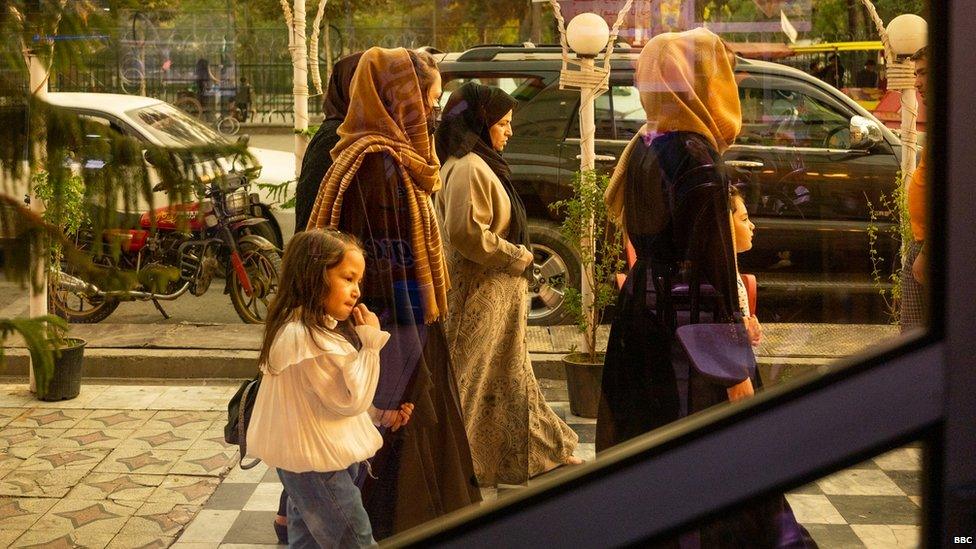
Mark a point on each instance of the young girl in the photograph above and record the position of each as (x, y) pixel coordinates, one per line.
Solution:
(742, 229)
(320, 361)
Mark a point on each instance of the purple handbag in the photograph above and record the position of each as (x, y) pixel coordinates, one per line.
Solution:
(720, 352)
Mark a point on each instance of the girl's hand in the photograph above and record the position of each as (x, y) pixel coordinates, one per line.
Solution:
(361, 316)
(753, 329)
(741, 391)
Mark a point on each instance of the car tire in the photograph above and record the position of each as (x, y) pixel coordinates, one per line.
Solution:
(556, 267)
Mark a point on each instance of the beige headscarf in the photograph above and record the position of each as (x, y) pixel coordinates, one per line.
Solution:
(686, 83)
(387, 114)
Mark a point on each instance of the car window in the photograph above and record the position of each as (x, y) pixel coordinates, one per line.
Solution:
(522, 87)
(780, 112)
(546, 116)
(619, 108)
(174, 128)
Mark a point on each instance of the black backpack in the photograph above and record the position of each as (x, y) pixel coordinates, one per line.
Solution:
(239, 411)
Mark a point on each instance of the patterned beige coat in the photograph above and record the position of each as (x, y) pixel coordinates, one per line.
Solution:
(513, 433)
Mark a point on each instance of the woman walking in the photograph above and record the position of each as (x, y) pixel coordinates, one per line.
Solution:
(670, 193)
(513, 433)
(379, 190)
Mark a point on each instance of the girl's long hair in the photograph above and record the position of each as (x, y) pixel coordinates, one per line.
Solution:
(303, 285)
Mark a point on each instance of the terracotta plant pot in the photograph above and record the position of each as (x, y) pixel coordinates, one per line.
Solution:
(66, 380)
(583, 379)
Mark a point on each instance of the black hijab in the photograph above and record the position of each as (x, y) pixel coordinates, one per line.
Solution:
(317, 159)
(468, 115)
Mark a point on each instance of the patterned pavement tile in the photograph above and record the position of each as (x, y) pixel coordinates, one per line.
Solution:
(41, 484)
(36, 539)
(126, 540)
(196, 420)
(205, 462)
(138, 460)
(89, 522)
(161, 439)
(834, 536)
(21, 513)
(14, 456)
(184, 490)
(209, 526)
(86, 398)
(902, 459)
(212, 440)
(49, 419)
(115, 487)
(7, 537)
(28, 436)
(78, 438)
(161, 520)
(9, 414)
(115, 419)
(48, 459)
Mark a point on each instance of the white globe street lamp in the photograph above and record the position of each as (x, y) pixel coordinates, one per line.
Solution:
(906, 35)
(588, 34)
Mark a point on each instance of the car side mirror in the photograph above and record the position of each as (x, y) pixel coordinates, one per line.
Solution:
(865, 133)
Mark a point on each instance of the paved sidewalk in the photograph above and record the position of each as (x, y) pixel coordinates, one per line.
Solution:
(126, 466)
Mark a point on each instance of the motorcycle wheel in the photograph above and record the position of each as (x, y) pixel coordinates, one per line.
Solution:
(262, 268)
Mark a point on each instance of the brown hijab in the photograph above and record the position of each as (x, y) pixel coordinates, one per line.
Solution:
(387, 114)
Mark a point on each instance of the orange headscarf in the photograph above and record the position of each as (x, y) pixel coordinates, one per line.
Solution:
(686, 83)
(387, 114)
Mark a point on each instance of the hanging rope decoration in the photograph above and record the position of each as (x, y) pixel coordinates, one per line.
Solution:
(901, 77)
(313, 49)
(595, 81)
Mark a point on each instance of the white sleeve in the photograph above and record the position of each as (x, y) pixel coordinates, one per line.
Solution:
(360, 371)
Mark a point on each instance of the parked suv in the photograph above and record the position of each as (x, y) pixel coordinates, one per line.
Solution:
(811, 162)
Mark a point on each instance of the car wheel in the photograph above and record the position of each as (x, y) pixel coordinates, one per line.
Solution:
(555, 267)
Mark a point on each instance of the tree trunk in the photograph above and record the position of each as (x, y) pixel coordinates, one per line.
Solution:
(298, 45)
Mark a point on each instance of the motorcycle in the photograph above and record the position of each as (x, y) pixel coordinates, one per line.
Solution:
(191, 244)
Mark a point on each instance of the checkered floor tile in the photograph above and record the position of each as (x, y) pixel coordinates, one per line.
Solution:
(874, 504)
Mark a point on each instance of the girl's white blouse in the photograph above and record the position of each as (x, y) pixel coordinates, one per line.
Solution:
(311, 412)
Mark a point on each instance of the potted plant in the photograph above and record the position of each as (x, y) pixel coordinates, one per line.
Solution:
(587, 227)
(59, 378)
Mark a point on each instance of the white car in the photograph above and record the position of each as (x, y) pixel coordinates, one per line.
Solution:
(159, 123)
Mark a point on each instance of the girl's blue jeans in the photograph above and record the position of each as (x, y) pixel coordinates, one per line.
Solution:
(326, 510)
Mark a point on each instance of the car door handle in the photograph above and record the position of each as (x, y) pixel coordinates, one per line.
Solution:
(745, 164)
(600, 157)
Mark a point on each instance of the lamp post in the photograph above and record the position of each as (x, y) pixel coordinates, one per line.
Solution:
(587, 34)
(39, 74)
(906, 35)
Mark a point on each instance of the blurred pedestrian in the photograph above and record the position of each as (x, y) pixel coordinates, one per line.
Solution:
(243, 99)
(834, 72)
(379, 189)
(320, 362)
(513, 433)
(867, 77)
(914, 301)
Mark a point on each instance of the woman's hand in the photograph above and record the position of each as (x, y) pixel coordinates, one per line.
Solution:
(753, 329)
(740, 391)
(361, 316)
(392, 419)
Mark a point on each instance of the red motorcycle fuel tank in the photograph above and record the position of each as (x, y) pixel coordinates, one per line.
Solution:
(170, 217)
(128, 240)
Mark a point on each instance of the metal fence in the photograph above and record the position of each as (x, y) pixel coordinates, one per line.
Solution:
(168, 55)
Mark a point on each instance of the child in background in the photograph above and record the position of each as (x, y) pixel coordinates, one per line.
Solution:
(320, 364)
(742, 230)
